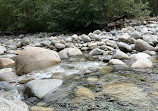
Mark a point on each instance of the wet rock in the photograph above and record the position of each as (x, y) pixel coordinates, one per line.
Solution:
(7, 74)
(124, 47)
(126, 92)
(68, 52)
(116, 62)
(5, 62)
(92, 79)
(38, 108)
(2, 50)
(141, 45)
(60, 46)
(34, 58)
(142, 63)
(125, 37)
(24, 79)
(106, 70)
(58, 76)
(120, 55)
(7, 105)
(96, 51)
(85, 92)
(41, 87)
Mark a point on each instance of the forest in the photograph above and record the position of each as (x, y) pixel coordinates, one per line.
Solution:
(69, 15)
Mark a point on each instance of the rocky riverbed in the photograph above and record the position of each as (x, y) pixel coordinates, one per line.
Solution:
(101, 71)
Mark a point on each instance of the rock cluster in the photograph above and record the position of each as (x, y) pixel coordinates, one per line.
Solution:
(132, 47)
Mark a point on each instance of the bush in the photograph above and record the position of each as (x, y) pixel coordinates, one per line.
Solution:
(65, 15)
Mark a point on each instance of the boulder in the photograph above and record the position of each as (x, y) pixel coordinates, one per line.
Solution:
(7, 74)
(86, 38)
(120, 55)
(68, 52)
(124, 47)
(142, 63)
(5, 62)
(7, 105)
(35, 58)
(41, 87)
(141, 45)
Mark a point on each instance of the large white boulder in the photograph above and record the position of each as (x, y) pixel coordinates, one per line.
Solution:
(35, 58)
(142, 63)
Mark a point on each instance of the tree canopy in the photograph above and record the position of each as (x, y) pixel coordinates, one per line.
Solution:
(66, 15)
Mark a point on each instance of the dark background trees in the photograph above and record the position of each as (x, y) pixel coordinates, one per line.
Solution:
(68, 15)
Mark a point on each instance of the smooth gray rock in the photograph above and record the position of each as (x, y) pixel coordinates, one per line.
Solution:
(86, 38)
(124, 47)
(141, 45)
(120, 55)
(41, 87)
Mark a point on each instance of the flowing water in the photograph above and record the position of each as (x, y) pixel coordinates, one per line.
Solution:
(139, 87)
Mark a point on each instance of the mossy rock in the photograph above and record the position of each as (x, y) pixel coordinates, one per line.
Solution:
(106, 70)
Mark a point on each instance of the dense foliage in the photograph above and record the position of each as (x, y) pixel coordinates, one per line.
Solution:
(65, 15)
